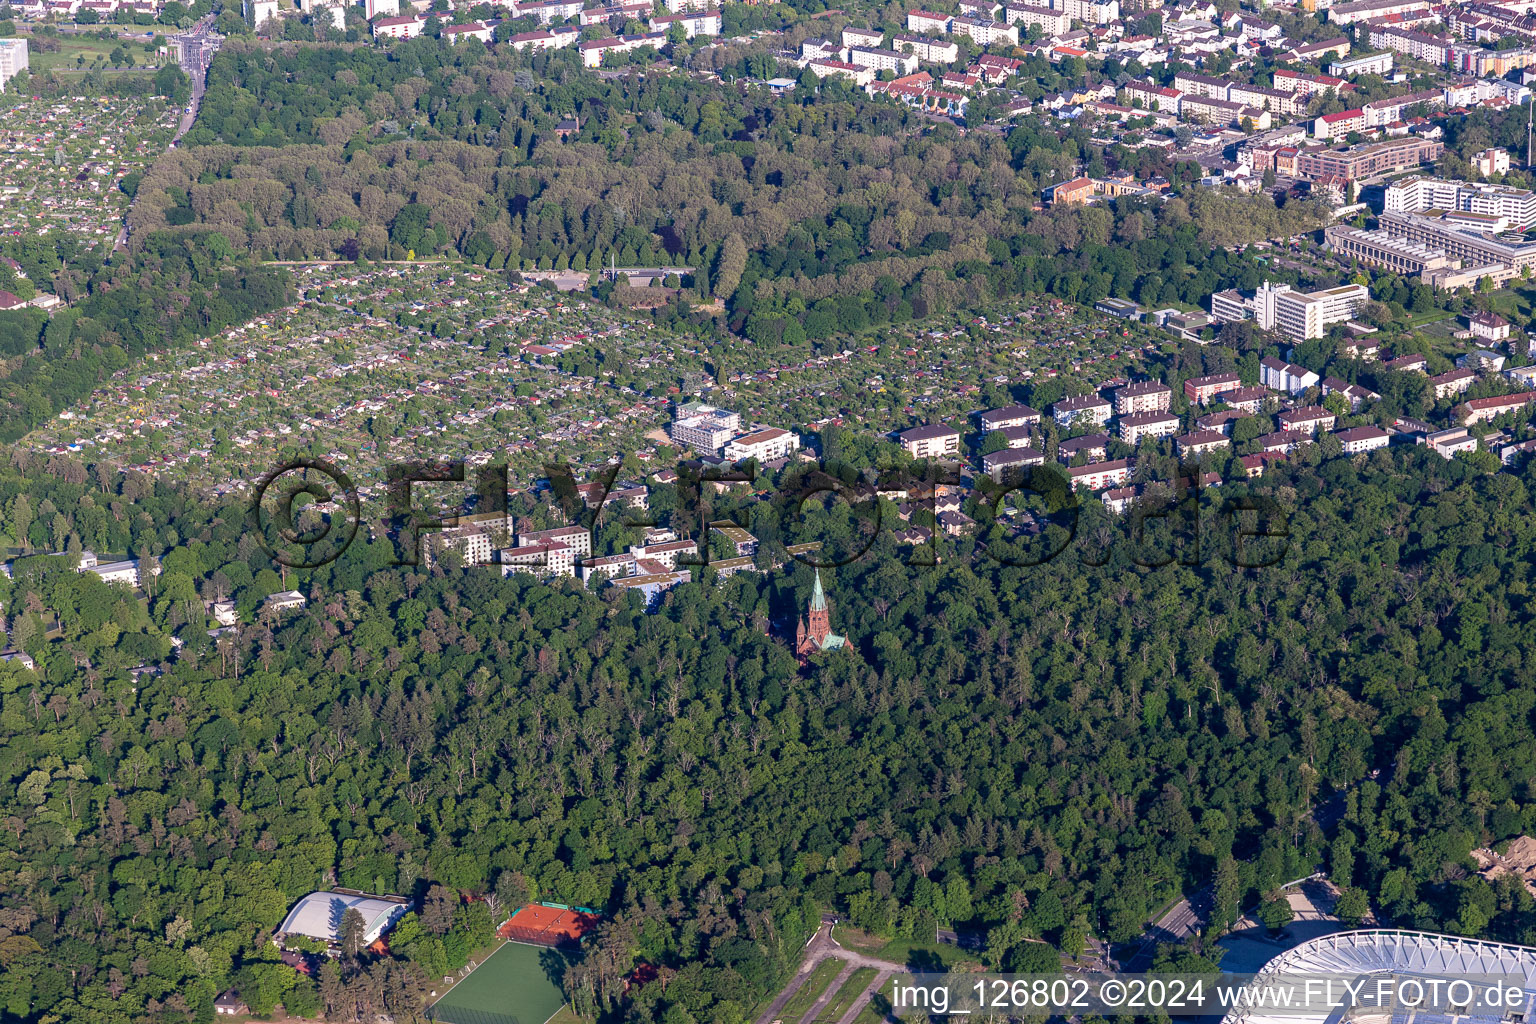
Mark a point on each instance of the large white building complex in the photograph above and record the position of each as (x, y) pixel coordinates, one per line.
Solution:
(1399, 955)
(1419, 193)
(1297, 315)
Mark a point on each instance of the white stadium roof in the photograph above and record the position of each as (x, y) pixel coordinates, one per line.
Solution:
(1390, 951)
(318, 915)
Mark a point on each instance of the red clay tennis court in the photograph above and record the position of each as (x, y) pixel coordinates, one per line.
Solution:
(545, 925)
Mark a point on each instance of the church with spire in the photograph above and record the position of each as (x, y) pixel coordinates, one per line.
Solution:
(814, 631)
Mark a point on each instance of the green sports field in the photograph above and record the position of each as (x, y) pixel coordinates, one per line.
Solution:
(517, 984)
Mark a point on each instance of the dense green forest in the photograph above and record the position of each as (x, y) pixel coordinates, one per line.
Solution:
(1045, 751)
(808, 216)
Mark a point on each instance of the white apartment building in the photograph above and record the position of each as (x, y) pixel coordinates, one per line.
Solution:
(1279, 375)
(1051, 22)
(13, 59)
(549, 10)
(552, 558)
(1139, 425)
(1082, 408)
(927, 21)
(577, 538)
(841, 69)
(763, 445)
(1421, 192)
(862, 37)
(371, 8)
(1370, 64)
(1143, 396)
(1008, 416)
(702, 23)
(683, 6)
(704, 428)
(934, 51)
(472, 544)
(879, 59)
(1089, 12)
(930, 442)
(985, 31)
(1298, 315)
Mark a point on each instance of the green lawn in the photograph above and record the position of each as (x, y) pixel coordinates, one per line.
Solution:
(73, 47)
(838, 1005)
(519, 984)
(815, 985)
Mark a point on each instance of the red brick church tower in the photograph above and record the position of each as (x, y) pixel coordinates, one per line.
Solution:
(814, 631)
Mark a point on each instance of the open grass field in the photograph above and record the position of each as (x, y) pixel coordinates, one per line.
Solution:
(95, 52)
(839, 1004)
(927, 955)
(519, 984)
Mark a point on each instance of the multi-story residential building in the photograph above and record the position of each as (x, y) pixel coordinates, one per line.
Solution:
(1307, 419)
(1287, 80)
(1367, 64)
(1418, 45)
(880, 59)
(862, 37)
(1367, 10)
(1379, 113)
(1250, 400)
(1201, 442)
(927, 21)
(1298, 315)
(1201, 390)
(1358, 440)
(577, 538)
(1452, 383)
(1081, 409)
(594, 50)
(1368, 160)
(704, 428)
(548, 11)
(985, 31)
(1355, 394)
(700, 23)
(999, 464)
(1192, 84)
(1052, 22)
(13, 59)
(1338, 125)
(1275, 100)
(1009, 416)
(1138, 425)
(933, 51)
(1089, 12)
(1278, 375)
(1491, 161)
(1098, 475)
(841, 69)
(1143, 396)
(1421, 192)
(407, 26)
(1092, 448)
(930, 442)
(1153, 96)
(549, 558)
(1481, 410)
(763, 445)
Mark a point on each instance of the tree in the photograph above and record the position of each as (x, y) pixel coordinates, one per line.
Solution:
(1352, 906)
(731, 265)
(1276, 912)
(353, 930)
